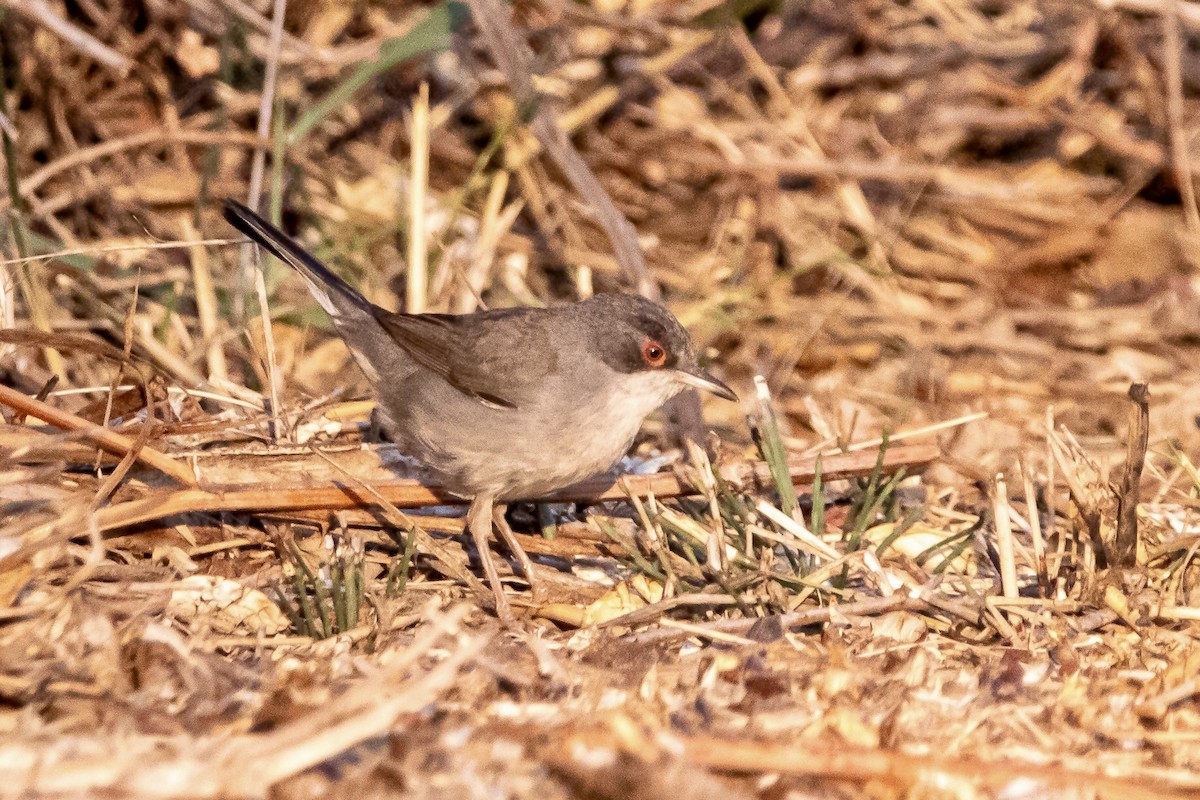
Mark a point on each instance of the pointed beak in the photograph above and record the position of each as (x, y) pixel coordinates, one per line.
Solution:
(702, 380)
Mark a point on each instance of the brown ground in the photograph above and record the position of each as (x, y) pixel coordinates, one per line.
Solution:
(898, 213)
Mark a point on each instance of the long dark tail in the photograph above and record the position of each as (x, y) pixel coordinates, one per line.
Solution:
(336, 296)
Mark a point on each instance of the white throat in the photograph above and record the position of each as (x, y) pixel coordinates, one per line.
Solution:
(610, 422)
(640, 393)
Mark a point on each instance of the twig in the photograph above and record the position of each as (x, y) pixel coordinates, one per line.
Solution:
(1004, 539)
(104, 438)
(99, 250)
(207, 306)
(650, 613)
(302, 51)
(1125, 543)
(1084, 502)
(413, 494)
(1173, 73)
(513, 58)
(1035, 525)
(966, 183)
(795, 619)
(899, 769)
(1060, 547)
(1189, 13)
(916, 433)
(87, 155)
(706, 633)
(805, 540)
(257, 167)
(1155, 708)
(40, 12)
(416, 297)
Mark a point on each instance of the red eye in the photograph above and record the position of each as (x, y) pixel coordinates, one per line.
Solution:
(653, 353)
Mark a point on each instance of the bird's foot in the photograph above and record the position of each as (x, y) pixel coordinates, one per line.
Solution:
(514, 545)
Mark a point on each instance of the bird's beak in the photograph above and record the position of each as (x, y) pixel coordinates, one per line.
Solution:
(702, 380)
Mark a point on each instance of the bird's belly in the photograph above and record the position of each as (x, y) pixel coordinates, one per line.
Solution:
(516, 464)
(512, 453)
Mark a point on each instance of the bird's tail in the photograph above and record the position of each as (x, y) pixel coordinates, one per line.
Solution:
(336, 296)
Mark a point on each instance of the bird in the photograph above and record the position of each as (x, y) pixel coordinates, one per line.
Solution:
(504, 404)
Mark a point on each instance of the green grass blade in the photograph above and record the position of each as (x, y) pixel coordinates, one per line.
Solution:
(354, 594)
(305, 602)
(869, 501)
(773, 450)
(818, 501)
(341, 595)
(398, 579)
(430, 34)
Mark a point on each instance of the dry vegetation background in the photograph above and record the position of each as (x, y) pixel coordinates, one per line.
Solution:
(898, 213)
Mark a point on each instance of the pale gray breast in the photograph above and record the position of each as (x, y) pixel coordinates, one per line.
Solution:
(560, 437)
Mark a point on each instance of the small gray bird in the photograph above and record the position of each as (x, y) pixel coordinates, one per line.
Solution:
(506, 404)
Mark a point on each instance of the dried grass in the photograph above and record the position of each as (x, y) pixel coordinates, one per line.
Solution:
(948, 236)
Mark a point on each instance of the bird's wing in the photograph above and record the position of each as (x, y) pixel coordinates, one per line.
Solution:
(495, 356)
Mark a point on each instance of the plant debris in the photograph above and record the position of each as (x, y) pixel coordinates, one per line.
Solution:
(946, 253)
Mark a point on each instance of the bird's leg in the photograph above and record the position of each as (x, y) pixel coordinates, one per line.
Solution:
(514, 545)
(479, 520)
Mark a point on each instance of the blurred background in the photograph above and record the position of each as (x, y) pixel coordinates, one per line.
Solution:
(899, 213)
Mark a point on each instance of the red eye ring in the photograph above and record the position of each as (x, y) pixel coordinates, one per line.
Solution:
(653, 353)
